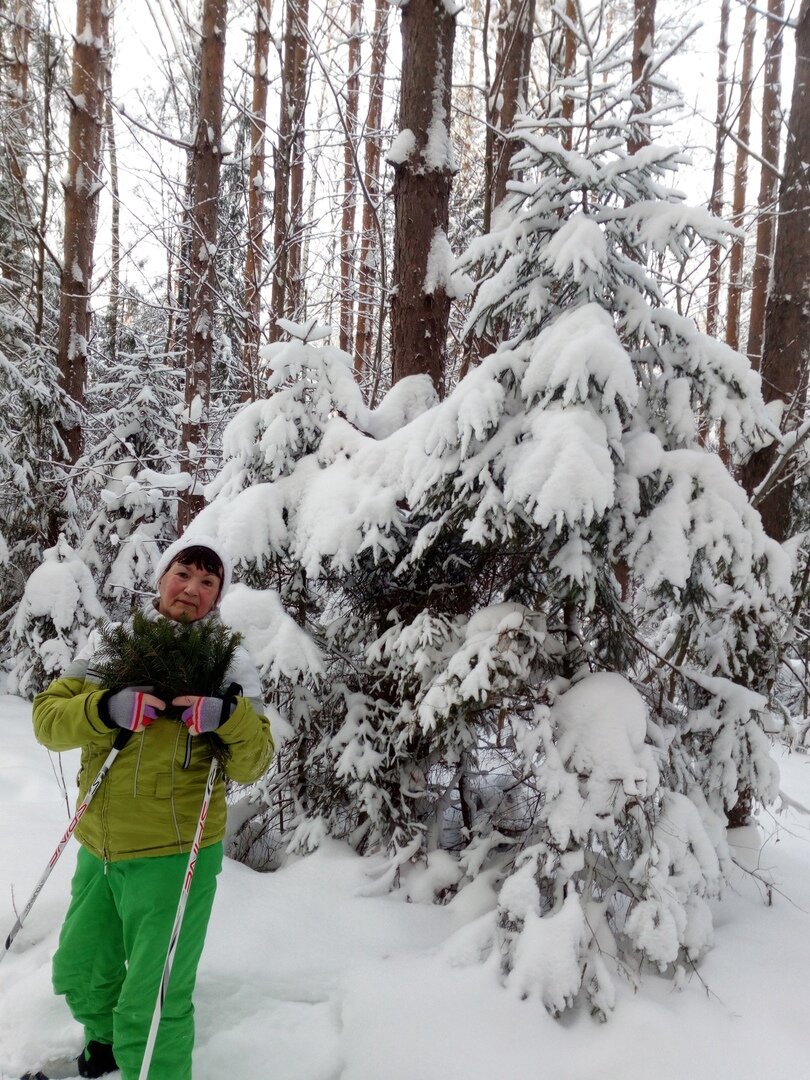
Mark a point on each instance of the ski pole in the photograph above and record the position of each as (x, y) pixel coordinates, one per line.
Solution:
(121, 739)
(178, 922)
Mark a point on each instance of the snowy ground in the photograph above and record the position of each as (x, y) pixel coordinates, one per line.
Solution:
(306, 978)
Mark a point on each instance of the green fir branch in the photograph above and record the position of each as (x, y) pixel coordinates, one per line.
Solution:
(174, 658)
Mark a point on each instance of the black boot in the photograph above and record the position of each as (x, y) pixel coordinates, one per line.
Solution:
(96, 1059)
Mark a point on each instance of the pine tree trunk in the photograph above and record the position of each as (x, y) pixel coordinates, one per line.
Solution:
(366, 265)
(735, 283)
(505, 99)
(281, 179)
(508, 93)
(171, 300)
(297, 104)
(202, 263)
(786, 353)
(314, 188)
(769, 180)
(178, 332)
(183, 277)
(643, 47)
(716, 202)
(49, 69)
(347, 229)
(569, 64)
(254, 259)
(16, 126)
(419, 318)
(81, 186)
(489, 137)
(288, 160)
(114, 301)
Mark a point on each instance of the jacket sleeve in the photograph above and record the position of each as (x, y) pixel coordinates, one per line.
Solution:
(66, 715)
(247, 736)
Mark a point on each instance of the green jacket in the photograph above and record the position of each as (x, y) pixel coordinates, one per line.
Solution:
(150, 802)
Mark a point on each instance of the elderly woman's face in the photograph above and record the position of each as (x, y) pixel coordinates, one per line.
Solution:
(187, 592)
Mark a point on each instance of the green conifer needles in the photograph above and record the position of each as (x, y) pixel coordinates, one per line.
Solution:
(173, 657)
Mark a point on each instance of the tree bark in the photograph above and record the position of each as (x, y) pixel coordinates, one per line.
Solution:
(420, 306)
(716, 202)
(489, 137)
(569, 63)
(508, 93)
(769, 181)
(505, 99)
(366, 264)
(183, 274)
(177, 330)
(289, 161)
(82, 185)
(202, 264)
(786, 353)
(114, 301)
(347, 230)
(254, 260)
(643, 47)
(297, 104)
(49, 78)
(735, 282)
(16, 126)
(281, 180)
(314, 186)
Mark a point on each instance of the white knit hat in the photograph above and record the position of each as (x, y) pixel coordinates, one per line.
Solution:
(189, 540)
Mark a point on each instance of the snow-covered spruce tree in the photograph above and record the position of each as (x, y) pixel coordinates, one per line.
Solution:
(33, 494)
(58, 610)
(541, 602)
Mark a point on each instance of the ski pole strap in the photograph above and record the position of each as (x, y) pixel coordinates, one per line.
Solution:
(122, 738)
(229, 699)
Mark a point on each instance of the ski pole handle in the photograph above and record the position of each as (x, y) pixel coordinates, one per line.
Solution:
(121, 740)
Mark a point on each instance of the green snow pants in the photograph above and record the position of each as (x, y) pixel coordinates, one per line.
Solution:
(113, 946)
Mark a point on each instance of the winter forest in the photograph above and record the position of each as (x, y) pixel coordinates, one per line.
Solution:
(479, 334)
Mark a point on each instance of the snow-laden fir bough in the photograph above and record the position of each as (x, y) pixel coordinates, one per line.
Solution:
(172, 657)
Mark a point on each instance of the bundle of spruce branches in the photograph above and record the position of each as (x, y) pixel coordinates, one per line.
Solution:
(173, 657)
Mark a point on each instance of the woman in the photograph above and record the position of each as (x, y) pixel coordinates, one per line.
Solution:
(136, 834)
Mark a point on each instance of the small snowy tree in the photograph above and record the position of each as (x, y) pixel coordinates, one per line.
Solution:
(58, 610)
(34, 497)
